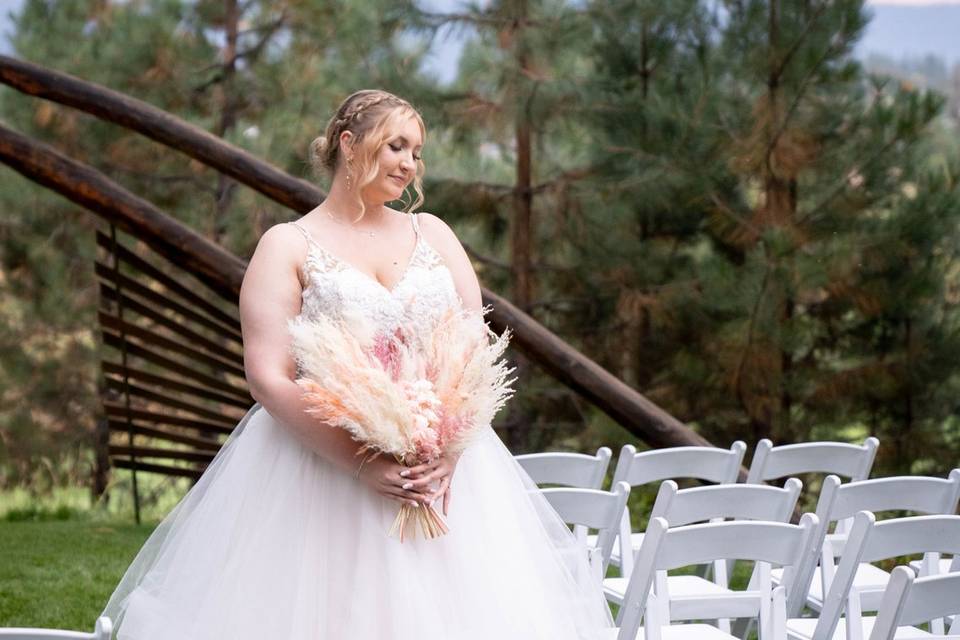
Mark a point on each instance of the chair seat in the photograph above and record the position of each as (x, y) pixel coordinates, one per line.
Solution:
(802, 629)
(679, 632)
(679, 586)
(868, 577)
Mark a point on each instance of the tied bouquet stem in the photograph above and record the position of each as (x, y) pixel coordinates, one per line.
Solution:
(417, 392)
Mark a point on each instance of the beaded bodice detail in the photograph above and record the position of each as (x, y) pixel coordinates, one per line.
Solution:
(335, 288)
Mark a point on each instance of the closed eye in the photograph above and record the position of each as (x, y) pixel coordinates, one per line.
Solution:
(400, 148)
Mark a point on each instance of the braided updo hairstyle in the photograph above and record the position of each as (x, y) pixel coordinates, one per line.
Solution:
(373, 117)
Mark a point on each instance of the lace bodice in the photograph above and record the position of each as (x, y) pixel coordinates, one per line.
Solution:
(333, 287)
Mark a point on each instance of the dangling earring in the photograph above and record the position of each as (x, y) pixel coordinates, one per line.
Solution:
(348, 176)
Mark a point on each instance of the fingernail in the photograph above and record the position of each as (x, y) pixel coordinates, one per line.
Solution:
(409, 485)
(404, 474)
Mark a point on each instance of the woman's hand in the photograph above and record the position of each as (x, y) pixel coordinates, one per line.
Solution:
(392, 480)
(440, 471)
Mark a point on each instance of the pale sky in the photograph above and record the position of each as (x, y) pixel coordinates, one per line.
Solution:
(912, 3)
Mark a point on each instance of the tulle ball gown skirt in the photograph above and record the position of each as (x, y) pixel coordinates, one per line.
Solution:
(274, 543)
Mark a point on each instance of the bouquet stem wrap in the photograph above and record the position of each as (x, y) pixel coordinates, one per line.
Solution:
(416, 392)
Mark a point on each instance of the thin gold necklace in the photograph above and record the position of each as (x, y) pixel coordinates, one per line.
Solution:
(372, 234)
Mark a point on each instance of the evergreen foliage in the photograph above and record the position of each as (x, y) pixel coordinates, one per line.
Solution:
(725, 209)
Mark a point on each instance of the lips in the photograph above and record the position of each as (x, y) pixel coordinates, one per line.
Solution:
(399, 179)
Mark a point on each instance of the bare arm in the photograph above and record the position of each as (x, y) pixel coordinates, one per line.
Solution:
(269, 297)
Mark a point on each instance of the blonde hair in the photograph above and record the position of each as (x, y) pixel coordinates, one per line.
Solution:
(372, 116)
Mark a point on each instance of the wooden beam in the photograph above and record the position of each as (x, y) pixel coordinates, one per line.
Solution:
(167, 129)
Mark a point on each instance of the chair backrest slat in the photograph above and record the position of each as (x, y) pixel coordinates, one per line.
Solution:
(567, 469)
(912, 536)
(774, 542)
(839, 458)
(901, 493)
(735, 501)
(711, 464)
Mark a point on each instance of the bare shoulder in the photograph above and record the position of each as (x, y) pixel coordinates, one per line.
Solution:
(279, 251)
(283, 243)
(437, 230)
(280, 237)
(442, 238)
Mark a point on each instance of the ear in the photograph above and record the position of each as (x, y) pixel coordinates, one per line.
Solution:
(346, 143)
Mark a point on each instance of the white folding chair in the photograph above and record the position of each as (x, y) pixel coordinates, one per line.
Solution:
(649, 600)
(852, 461)
(917, 494)
(680, 507)
(579, 470)
(910, 600)
(869, 541)
(709, 464)
(102, 631)
(593, 509)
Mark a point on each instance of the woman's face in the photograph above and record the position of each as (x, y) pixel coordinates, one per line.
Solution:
(398, 164)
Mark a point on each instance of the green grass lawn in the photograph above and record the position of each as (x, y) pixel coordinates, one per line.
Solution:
(60, 573)
(61, 557)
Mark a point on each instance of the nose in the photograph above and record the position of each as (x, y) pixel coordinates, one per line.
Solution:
(408, 163)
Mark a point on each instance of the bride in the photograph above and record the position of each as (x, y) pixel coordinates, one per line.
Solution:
(284, 537)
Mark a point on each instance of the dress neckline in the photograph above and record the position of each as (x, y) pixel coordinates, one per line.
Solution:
(313, 244)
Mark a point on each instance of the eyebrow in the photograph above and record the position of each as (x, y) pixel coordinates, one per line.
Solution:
(405, 141)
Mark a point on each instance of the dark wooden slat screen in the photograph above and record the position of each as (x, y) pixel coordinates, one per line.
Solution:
(153, 338)
(177, 387)
(172, 285)
(155, 452)
(173, 325)
(174, 385)
(164, 434)
(145, 393)
(183, 472)
(166, 418)
(117, 341)
(130, 285)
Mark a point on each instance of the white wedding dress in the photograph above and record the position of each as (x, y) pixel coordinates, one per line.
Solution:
(275, 543)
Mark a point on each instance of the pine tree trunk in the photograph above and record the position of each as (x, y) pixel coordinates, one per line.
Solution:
(228, 115)
(521, 229)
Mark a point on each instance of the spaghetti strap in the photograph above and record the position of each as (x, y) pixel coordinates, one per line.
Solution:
(306, 234)
(416, 224)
